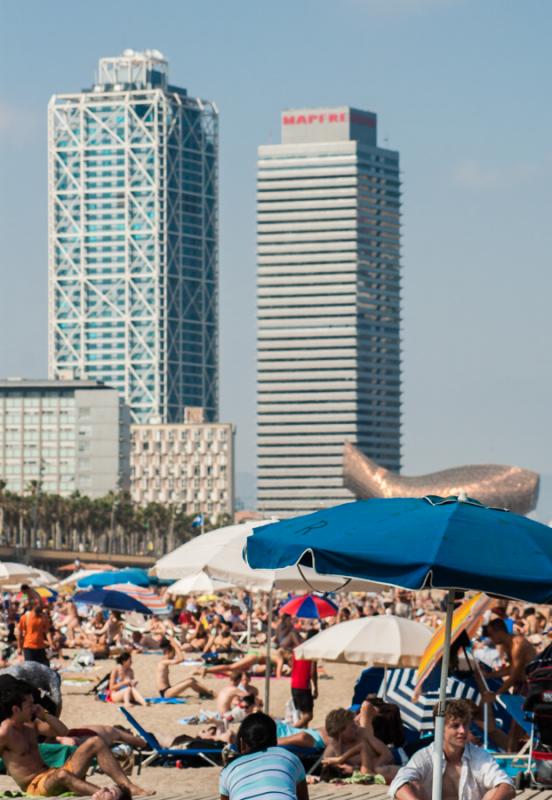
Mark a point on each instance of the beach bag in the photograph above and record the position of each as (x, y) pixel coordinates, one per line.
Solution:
(84, 658)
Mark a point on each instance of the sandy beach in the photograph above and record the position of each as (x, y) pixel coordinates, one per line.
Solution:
(79, 710)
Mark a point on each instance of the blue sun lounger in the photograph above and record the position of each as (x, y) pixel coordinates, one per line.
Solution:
(168, 754)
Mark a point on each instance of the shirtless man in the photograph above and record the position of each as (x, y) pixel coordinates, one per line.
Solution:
(469, 770)
(518, 653)
(228, 694)
(280, 658)
(353, 746)
(172, 655)
(22, 722)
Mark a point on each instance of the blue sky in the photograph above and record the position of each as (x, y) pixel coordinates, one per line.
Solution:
(461, 89)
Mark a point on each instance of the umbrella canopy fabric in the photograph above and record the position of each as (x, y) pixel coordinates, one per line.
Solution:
(382, 641)
(219, 553)
(416, 543)
(12, 572)
(309, 606)
(198, 583)
(42, 577)
(70, 580)
(138, 577)
(107, 598)
(466, 618)
(151, 600)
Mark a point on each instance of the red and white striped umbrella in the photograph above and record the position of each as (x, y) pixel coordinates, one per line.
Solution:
(156, 604)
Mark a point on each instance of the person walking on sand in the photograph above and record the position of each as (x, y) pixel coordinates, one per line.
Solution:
(22, 722)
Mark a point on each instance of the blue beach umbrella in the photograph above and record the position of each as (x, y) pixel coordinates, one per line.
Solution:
(112, 599)
(432, 542)
(138, 577)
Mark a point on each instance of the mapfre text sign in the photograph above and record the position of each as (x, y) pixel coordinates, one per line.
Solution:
(338, 124)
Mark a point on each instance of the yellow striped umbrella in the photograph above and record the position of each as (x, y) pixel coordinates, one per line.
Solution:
(466, 618)
(44, 591)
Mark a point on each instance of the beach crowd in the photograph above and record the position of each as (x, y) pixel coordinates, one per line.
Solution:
(226, 635)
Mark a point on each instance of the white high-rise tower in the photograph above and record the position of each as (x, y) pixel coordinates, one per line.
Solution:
(133, 239)
(328, 306)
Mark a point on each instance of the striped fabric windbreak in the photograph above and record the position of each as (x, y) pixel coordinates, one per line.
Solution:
(418, 714)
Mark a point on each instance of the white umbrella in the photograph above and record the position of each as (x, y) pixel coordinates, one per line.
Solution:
(12, 572)
(200, 583)
(383, 641)
(219, 554)
(76, 576)
(42, 578)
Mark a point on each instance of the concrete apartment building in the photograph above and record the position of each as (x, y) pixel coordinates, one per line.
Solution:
(328, 306)
(133, 238)
(66, 435)
(190, 465)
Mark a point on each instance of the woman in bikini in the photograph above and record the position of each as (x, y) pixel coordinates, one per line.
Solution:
(122, 684)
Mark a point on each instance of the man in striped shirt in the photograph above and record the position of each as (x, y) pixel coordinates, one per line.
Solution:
(262, 769)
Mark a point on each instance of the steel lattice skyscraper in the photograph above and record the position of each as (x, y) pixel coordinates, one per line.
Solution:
(133, 239)
(328, 306)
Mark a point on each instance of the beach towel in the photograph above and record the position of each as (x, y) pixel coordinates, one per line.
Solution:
(173, 701)
(53, 755)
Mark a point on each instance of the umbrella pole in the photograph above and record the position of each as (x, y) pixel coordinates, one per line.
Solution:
(436, 789)
(384, 698)
(249, 621)
(268, 667)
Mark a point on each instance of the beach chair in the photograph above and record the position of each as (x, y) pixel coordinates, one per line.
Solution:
(168, 755)
(100, 685)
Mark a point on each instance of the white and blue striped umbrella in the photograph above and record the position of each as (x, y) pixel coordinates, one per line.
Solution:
(418, 715)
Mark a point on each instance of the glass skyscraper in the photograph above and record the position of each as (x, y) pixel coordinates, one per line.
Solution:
(328, 306)
(133, 239)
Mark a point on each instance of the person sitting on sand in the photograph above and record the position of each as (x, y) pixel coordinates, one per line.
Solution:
(22, 722)
(470, 773)
(228, 694)
(72, 623)
(262, 769)
(196, 640)
(353, 746)
(220, 640)
(122, 683)
(172, 655)
(114, 629)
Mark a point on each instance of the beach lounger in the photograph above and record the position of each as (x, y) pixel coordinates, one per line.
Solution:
(100, 685)
(167, 755)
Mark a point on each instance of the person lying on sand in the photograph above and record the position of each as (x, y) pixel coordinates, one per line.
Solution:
(255, 658)
(22, 722)
(173, 654)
